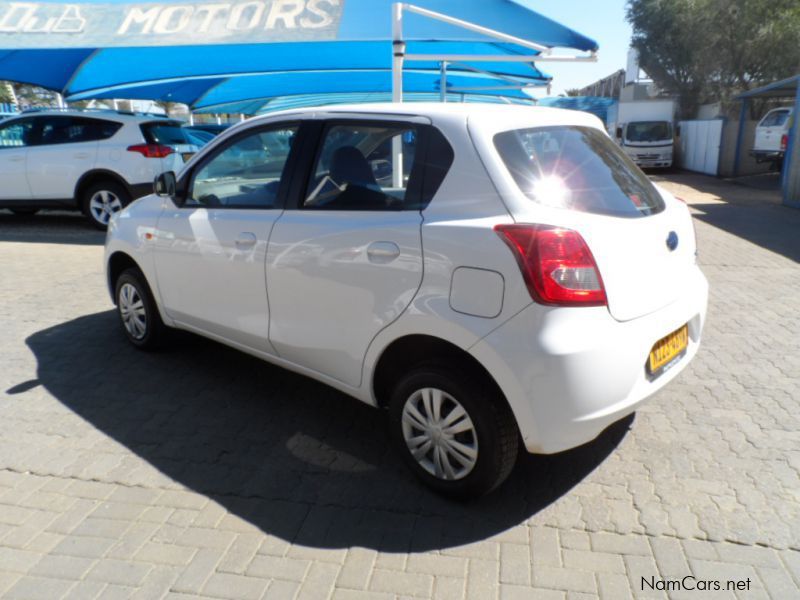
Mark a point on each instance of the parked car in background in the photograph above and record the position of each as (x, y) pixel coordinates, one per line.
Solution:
(212, 128)
(97, 162)
(526, 284)
(772, 136)
(199, 137)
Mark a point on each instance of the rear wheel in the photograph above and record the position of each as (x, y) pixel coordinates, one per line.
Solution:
(101, 200)
(456, 433)
(138, 312)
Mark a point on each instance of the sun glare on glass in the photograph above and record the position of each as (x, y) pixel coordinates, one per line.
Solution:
(551, 191)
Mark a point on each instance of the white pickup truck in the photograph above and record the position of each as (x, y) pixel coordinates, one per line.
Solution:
(772, 136)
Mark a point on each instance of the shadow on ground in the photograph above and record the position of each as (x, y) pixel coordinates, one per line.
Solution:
(774, 228)
(295, 458)
(49, 227)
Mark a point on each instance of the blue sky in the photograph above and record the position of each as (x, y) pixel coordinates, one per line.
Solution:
(603, 21)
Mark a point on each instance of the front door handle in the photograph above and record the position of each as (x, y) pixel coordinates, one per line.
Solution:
(81, 155)
(382, 253)
(246, 240)
(16, 158)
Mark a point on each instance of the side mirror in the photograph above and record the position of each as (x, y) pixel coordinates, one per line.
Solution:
(619, 133)
(166, 185)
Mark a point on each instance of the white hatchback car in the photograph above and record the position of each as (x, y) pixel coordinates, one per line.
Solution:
(491, 275)
(96, 161)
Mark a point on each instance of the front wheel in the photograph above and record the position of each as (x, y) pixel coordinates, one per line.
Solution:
(456, 434)
(101, 200)
(138, 312)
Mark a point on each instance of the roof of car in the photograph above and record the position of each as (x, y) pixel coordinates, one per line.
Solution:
(97, 114)
(474, 112)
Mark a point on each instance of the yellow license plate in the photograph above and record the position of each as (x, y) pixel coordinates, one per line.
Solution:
(667, 349)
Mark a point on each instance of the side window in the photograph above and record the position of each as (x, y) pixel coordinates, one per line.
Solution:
(16, 134)
(245, 174)
(73, 130)
(357, 169)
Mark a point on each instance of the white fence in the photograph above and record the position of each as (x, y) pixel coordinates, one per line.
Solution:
(700, 145)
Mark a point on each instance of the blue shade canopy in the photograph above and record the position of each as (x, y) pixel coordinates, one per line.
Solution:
(268, 105)
(596, 105)
(215, 91)
(183, 50)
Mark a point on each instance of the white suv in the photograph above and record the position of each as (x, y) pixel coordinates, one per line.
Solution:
(491, 276)
(95, 161)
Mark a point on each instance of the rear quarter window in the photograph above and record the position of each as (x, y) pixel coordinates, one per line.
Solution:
(577, 168)
(166, 133)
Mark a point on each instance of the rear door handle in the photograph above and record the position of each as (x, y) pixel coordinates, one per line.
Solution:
(383, 252)
(81, 155)
(16, 158)
(246, 240)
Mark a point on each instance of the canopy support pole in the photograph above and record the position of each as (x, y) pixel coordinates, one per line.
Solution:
(399, 51)
(398, 58)
(443, 83)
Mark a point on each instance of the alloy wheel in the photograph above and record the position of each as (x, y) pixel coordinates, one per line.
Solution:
(103, 204)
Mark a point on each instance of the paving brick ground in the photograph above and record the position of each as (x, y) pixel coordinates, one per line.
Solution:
(200, 472)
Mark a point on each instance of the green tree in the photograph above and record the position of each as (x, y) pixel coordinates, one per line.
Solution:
(6, 92)
(710, 50)
(573, 92)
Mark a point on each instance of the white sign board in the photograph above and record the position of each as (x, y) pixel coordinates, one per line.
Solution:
(85, 25)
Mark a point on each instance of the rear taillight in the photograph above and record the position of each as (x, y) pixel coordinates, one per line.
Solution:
(557, 265)
(151, 150)
(784, 142)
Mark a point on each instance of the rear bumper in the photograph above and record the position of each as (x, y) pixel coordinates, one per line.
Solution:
(765, 155)
(583, 370)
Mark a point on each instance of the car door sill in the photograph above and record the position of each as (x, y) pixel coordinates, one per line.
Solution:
(274, 359)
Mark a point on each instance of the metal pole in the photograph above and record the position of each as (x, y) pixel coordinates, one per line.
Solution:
(790, 178)
(737, 159)
(398, 57)
(443, 83)
(399, 51)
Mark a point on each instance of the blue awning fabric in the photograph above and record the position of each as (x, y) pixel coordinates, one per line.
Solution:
(213, 51)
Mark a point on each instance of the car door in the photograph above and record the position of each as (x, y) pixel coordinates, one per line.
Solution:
(211, 247)
(66, 149)
(16, 136)
(346, 260)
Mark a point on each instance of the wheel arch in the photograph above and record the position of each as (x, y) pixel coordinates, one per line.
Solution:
(95, 176)
(411, 350)
(118, 263)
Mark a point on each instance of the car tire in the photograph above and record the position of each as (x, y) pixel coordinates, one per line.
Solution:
(137, 311)
(479, 446)
(24, 212)
(101, 200)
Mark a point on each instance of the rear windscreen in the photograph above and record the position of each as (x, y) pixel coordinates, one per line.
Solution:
(577, 168)
(164, 132)
(775, 119)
